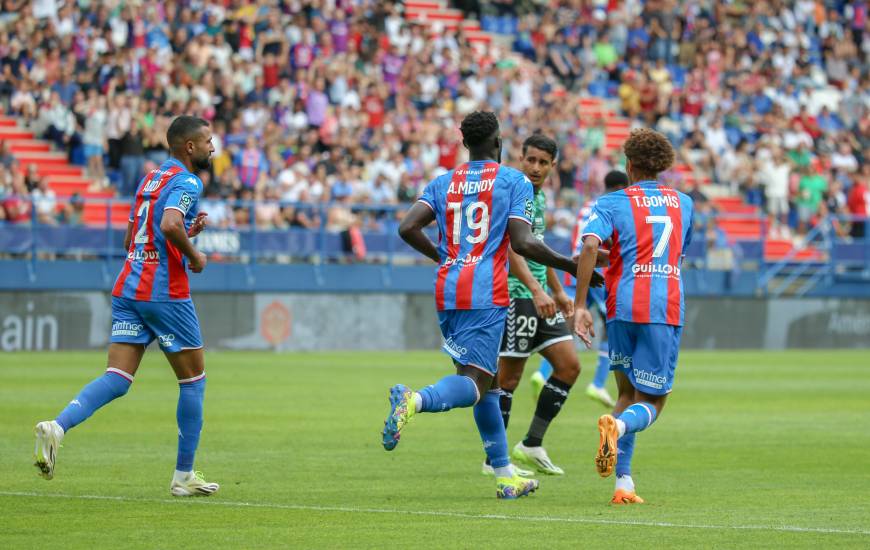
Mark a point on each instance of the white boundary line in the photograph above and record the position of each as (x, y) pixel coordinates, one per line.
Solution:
(435, 513)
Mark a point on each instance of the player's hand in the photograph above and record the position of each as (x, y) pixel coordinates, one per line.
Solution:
(584, 326)
(597, 280)
(565, 304)
(544, 305)
(197, 263)
(198, 225)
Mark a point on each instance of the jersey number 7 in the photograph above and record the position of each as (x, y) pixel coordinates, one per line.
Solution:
(665, 236)
(481, 226)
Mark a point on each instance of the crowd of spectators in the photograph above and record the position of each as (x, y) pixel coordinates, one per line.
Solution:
(347, 103)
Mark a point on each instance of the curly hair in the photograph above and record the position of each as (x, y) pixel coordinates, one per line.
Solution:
(477, 127)
(650, 152)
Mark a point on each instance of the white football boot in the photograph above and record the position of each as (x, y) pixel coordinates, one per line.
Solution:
(537, 458)
(191, 484)
(49, 434)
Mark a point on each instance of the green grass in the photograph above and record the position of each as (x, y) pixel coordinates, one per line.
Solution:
(749, 443)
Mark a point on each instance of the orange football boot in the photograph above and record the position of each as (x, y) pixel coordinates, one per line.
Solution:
(605, 460)
(621, 496)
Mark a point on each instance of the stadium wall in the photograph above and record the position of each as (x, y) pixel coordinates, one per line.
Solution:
(402, 321)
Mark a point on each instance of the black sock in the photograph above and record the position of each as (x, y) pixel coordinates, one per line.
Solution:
(550, 402)
(505, 400)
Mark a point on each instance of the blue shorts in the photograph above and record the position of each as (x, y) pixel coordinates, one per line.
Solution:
(595, 298)
(473, 336)
(92, 151)
(174, 324)
(646, 353)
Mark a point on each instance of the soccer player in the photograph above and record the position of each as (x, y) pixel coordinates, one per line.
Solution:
(651, 225)
(151, 300)
(480, 208)
(596, 390)
(536, 323)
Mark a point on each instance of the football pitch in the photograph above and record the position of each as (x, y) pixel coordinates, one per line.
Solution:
(755, 449)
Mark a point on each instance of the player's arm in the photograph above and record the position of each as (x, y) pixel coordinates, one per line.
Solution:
(411, 230)
(128, 236)
(563, 301)
(172, 227)
(544, 305)
(583, 324)
(525, 244)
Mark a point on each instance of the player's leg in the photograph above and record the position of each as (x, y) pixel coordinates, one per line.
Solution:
(647, 374)
(128, 340)
(461, 330)
(597, 389)
(624, 492)
(510, 371)
(487, 415)
(177, 329)
(566, 369)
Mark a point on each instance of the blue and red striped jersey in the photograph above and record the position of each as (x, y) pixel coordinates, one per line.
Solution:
(155, 270)
(576, 242)
(650, 225)
(472, 205)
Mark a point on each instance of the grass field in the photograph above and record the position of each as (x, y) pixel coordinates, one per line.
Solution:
(754, 450)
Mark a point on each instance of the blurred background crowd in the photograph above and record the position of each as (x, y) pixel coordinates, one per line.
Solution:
(349, 103)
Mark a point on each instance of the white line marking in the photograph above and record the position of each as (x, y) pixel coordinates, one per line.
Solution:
(345, 509)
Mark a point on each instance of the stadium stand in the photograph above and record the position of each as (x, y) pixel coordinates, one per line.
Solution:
(325, 114)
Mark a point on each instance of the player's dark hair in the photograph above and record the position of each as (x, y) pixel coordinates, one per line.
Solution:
(615, 180)
(650, 153)
(477, 128)
(182, 129)
(542, 142)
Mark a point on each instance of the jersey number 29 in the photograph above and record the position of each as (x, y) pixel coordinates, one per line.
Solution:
(481, 226)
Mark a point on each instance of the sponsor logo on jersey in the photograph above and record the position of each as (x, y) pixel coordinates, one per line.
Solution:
(146, 256)
(655, 201)
(454, 349)
(166, 339)
(124, 328)
(467, 260)
(655, 270)
(620, 360)
(649, 379)
(530, 208)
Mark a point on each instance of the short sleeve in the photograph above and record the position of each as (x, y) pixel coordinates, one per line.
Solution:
(184, 193)
(522, 199)
(691, 226)
(600, 222)
(428, 196)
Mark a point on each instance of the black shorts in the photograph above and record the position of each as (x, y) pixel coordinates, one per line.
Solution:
(526, 333)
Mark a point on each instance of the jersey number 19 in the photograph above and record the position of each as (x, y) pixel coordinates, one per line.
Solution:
(481, 225)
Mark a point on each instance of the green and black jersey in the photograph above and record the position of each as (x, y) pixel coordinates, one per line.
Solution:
(539, 271)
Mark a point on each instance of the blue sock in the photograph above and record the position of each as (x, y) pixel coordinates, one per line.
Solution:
(625, 450)
(638, 417)
(189, 417)
(449, 393)
(487, 415)
(546, 369)
(603, 368)
(100, 391)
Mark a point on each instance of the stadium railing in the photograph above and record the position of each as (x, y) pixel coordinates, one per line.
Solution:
(373, 239)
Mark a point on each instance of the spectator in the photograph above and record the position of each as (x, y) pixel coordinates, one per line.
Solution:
(17, 204)
(775, 175)
(859, 204)
(45, 202)
(132, 160)
(811, 190)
